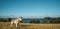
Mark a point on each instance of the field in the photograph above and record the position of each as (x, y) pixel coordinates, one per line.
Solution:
(6, 25)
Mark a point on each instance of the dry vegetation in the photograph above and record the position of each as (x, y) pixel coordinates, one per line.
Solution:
(6, 25)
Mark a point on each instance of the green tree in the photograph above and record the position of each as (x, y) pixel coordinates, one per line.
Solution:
(46, 19)
(55, 20)
(34, 21)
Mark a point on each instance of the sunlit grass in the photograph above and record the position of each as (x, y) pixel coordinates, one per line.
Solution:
(6, 25)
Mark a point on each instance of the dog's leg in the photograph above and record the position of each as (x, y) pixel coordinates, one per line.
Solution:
(16, 24)
(11, 23)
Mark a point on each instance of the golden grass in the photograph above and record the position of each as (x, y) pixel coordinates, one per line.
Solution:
(6, 25)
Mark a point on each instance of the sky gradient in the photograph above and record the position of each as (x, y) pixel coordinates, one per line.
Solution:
(30, 8)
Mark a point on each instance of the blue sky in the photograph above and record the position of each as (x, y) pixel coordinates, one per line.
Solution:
(30, 8)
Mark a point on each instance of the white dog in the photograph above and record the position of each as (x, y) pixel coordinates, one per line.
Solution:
(16, 21)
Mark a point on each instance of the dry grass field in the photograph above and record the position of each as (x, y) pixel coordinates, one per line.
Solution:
(6, 25)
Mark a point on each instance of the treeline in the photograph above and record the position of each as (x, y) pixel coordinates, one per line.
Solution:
(45, 20)
(53, 20)
(5, 19)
